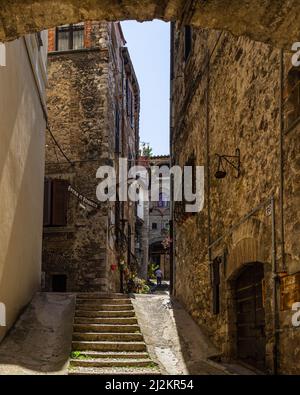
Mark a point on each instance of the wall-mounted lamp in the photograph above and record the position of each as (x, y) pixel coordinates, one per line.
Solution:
(233, 160)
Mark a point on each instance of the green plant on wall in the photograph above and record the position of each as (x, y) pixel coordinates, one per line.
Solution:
(152, 267)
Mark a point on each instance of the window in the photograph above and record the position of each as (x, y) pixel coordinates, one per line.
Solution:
(216, 284)
(163, 200)
(59, 283)
(188, 36)
(55, 202)
(70, 37)
(292, 104)
(154, 226)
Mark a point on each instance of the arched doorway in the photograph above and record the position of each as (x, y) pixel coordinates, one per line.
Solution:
(250, 315)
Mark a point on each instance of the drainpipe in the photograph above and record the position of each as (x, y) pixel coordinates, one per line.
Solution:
(281, 160)
(274, 293)
(208, 158)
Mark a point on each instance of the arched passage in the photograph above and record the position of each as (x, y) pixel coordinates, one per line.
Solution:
(274, 22)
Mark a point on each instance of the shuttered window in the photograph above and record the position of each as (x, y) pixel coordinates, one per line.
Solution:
(55, 202)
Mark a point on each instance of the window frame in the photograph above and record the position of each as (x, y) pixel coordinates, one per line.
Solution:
(70, 29)
(56, 191)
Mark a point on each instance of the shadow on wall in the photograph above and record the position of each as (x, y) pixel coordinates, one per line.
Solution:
(41, 339)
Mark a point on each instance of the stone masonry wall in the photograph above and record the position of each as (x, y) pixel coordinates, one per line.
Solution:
(265, 20)
(78, 114)
(241, 110)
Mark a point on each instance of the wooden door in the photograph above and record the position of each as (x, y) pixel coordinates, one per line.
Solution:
(251, 340)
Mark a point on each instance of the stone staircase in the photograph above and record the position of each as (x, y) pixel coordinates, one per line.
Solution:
(107, 338)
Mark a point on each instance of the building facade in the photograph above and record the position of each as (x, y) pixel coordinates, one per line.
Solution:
(23, 123)
(153, 219)
(93, 104)
(159, 220)
(237, 262)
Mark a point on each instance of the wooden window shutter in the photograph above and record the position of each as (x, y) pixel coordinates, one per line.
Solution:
(47, 202)
(59, 202)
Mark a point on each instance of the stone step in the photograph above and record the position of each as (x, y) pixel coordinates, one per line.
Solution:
(122, 337)
(114, 355)
(108, 346)
(81, 371)
(102, 313)
(106, 328)
(99, 295)
(106, 363)
(105, 307)
(103, 301)
(106, 320)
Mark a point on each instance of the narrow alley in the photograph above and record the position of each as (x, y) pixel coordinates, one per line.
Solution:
(150, 188)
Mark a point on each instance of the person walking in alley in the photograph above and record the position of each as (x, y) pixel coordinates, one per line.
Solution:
(158, 275)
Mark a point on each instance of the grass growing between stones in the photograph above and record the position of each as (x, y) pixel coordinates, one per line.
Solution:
(78, 355)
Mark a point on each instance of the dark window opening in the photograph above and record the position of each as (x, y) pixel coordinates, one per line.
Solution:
(154, 225)
(55, 202)
(216, 285)
(59, 283)
(70, 37)
(188, 37)
(292, 103)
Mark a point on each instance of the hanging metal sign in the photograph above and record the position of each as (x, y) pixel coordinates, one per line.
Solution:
(82, 198)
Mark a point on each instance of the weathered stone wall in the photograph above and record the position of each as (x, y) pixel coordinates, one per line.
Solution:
(84, 88)
(268, 21)
(77, 105)
(227, 96)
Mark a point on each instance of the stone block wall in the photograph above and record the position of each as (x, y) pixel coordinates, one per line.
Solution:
(226, 96)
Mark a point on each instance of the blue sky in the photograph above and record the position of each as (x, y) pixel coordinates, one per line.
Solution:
(149, 47)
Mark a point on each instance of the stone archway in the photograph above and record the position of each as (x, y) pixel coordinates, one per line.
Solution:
(249, 246)
(270, 21)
